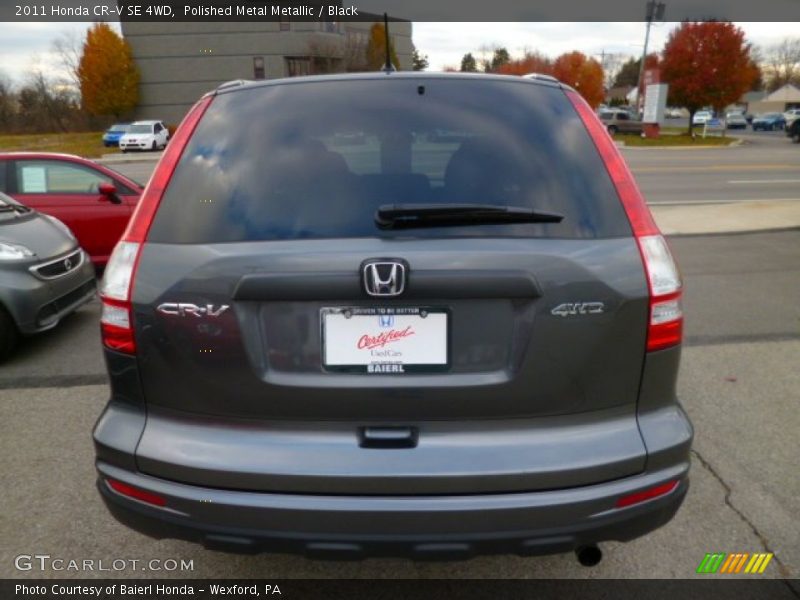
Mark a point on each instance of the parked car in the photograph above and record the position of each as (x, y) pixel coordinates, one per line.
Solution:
(673, 113)
(407, 347)
(620, 121)
(793, 131)
(113, 133)
(94, 201)
(790, 116)
(44, 274)
(144, 135)
(702, 117)
(769, 122)
(735, 121)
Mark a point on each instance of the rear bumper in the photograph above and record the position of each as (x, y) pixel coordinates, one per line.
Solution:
(419, 527)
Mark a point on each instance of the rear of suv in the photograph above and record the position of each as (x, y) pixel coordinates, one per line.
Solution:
(332, 330)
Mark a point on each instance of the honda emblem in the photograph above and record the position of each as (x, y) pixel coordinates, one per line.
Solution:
(384, 277)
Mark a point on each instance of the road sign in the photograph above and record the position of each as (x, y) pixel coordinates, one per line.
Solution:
(655, 101)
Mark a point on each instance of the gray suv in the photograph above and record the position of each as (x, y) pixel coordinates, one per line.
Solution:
(332, 330)
(44, 273)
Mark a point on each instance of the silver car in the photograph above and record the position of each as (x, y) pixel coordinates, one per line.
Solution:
(44, 273)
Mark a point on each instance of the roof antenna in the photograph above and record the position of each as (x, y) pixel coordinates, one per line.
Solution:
(388, 67)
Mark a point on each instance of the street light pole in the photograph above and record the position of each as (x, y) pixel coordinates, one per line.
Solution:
(654, 11)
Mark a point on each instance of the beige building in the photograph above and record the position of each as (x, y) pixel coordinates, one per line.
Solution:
(780, 100)
(179, 62)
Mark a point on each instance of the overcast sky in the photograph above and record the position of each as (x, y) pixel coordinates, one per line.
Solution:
(25, 46)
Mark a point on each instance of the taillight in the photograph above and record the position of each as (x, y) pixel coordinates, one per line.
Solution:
(116, 324)
(116, 290)
(648, 494)
(664, 281)
(136, 493)
(665, 326)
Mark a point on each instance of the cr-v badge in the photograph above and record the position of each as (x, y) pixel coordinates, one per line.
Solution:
(571, 309)
(181, 309)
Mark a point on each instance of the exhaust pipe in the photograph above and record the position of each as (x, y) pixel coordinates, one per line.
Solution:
(589, 556)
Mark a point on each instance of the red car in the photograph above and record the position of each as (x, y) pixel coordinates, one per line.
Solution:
(93, 201)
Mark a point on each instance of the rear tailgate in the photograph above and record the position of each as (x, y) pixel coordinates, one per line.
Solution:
(543, 326)
(568, 380)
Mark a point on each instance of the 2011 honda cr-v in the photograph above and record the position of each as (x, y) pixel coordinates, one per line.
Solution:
(393, 313)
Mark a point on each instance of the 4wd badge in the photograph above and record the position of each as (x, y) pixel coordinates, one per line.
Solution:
(571, 309)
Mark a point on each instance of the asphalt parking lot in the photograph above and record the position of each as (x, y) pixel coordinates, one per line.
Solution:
(739, 382)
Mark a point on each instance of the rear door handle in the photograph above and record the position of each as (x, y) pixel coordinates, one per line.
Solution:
(387, 437)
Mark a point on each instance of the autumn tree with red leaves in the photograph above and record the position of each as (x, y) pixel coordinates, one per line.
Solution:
(108, 77)
(583, 73)
(573, 68)
(532, 62)
(707, 64)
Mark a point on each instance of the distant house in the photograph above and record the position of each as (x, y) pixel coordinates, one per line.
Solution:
(179, 62)
(780, 100)
(746, 101)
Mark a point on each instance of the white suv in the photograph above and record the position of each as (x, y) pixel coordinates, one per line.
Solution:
(144, 135)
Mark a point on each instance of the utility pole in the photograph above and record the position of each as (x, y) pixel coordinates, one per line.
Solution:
(654, 11)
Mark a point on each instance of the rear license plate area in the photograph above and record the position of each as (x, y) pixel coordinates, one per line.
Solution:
(385, 340)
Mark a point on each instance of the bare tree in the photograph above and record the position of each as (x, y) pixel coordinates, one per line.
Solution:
(344, 55)
(45, 106)
(355, 53)
(484, 55)
(326, 56)
(68, 47)
(8, 102)
(612, 64)
(782, 63)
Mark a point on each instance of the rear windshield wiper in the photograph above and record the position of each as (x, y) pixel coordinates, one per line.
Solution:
(404, 216)
(14, 208)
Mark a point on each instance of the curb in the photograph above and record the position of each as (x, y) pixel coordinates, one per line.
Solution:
(738, 142)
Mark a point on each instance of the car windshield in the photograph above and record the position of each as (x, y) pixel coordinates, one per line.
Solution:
(140, 129)
(119, 127)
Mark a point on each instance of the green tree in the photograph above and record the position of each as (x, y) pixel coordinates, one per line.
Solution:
(376, 49)
(500, 58)
(108, 77)
(419, 62)
(628, 75)
(468, 63)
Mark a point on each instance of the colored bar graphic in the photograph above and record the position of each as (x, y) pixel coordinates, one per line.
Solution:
(711, 563)
(720, 562)
(758, 563)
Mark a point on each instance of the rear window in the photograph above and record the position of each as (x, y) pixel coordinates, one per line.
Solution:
(315, 159)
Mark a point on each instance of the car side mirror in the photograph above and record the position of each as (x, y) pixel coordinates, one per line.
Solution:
(109, 190)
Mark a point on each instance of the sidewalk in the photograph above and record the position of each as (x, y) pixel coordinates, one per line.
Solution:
(733, 217)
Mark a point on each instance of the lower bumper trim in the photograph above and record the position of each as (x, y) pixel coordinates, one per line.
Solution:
(620, 525)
